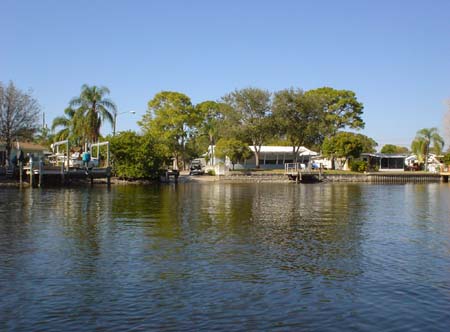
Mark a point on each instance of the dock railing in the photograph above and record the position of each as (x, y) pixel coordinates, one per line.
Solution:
(292, 168)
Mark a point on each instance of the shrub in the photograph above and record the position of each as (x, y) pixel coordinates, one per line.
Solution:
(359, 166)
(137, 156)
(447, 158)
(211, 172)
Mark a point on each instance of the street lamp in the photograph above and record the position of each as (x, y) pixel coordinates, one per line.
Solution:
(115, 119)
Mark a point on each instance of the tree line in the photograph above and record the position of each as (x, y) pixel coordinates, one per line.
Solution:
(251, 116)
(173, 128)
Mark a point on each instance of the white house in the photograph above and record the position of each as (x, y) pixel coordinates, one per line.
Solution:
(270, 157)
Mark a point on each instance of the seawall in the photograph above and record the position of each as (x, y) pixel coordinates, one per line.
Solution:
(379, 177)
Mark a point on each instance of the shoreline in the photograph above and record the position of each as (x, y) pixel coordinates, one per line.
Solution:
(260, 177)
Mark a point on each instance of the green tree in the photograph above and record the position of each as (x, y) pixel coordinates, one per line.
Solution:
(424, 139)
(254, 122)
(446, 159)
(94, 108)
(43, 136)
(232, 148)
(212, 122)
(298, 118)
(345, 145)
(19, 113)
(70, 126)
(137, 156)
(172, 117)
(341, 109)
(391, 148)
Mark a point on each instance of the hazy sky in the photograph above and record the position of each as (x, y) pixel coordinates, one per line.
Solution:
(394, 54)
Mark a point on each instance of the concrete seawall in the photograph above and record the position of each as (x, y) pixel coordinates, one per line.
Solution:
(367, 178)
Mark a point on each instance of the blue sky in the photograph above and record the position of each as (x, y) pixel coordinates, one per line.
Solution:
(394, 54)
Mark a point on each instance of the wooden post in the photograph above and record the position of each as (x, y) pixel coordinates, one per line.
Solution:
(31, 172)
(40, 172)
(20, 173)
(107, 155)
(62, 172)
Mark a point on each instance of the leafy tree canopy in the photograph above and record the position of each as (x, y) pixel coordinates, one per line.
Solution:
(298, 117)
(426, 138)
(346, 145)
(137, 156)
(172, 117)
(232, 148)
(341, 107)
(92, 108)
(391, 148)
(253, 107)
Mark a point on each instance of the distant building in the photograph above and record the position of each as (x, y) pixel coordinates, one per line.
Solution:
(270, 157)
(26, 147)
(385, 162)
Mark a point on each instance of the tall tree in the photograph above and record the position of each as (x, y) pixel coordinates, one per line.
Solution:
(424, 139)
(19, 113)
(254, 109)
(172, 118)
(298, 118)
(93, 106)
(345, 145)
(210, 112)
(341, 107)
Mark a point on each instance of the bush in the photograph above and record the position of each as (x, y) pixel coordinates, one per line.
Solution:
(447, 159)
(137, 156)
(211, 172)
(359, 166)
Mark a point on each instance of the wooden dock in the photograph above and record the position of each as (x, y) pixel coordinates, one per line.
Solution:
(58, 175)
(295, 172)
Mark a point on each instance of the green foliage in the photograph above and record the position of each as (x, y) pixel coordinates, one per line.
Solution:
(211, 172)
(346, 145)
(341, 108)
(446, 159)
(43, 137)
(298, 117)
(91, 109)
(173, 119)
(70, 126)
(422, 142)
(391, 148)
(137, 156)
(252, 107)
(232, 148)
(359, 166)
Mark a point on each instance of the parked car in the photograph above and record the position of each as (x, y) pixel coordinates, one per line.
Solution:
(197, 166)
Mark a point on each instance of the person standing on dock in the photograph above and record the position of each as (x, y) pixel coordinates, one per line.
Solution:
(86, 157)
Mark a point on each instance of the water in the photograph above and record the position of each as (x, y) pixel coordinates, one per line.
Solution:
(226, 257)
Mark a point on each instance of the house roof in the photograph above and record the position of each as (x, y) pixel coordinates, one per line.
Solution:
(26, 146)
(385, 155)
(284, 149)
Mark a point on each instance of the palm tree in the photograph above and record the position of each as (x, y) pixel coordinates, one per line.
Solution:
(93, 108)
(424, 138)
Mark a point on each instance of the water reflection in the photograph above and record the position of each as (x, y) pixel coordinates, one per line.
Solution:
(245, 256)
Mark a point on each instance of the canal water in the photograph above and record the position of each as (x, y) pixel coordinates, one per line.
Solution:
(226, 257)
